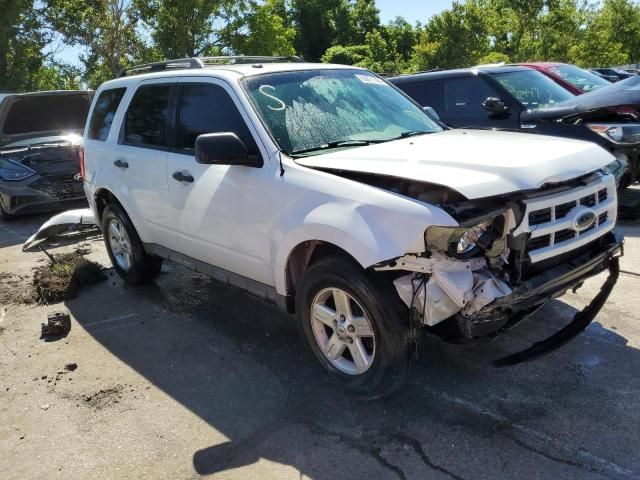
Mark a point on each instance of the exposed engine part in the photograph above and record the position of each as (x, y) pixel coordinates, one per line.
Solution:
(437, 261)
(449, 291)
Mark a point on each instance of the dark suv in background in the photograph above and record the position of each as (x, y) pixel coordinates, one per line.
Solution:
(523, 99)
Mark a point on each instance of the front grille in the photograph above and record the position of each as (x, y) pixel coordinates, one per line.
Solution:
(540, 216)
(539, 242)
(563, 209)
(553, 221)
(60, 187)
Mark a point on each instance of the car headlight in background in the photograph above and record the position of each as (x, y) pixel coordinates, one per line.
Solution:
(11, 171)
(627, 133)
(465, 242)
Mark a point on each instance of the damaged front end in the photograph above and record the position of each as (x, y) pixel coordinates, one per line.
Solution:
(485, 276)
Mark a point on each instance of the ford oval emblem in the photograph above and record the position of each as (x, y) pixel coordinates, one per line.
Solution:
(583, 220)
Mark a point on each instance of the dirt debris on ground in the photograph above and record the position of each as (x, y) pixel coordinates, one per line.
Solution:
(15, 289)
(105, 397)
(63, 277)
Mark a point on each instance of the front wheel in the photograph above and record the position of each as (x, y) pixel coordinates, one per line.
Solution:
(355, 326)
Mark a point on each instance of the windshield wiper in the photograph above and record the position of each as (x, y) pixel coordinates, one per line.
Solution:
(338, 144)
(410, 133)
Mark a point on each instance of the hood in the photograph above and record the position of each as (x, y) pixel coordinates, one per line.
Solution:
(475, 163)
(626, 92)
(28, 116)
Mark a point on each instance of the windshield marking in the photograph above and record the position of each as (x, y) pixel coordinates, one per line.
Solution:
(282, 105)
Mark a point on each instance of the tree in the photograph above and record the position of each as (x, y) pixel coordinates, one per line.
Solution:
(402, 35)
(190, 28)
(347, 55)
(22, 40)
(106, 29)
(618, 22)
(364, 19)
(319, 25)
(454, 38)
(264, 32)
(597, 49)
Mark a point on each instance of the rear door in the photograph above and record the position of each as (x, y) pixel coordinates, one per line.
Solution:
(139, 160)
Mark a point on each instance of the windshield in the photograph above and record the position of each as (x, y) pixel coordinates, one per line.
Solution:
(532, 88)
(308, 112)
(582, 79)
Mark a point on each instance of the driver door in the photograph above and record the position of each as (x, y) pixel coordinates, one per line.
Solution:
(463, 99)
(220, 212)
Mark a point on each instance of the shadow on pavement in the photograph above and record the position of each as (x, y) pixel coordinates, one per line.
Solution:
(239, 364)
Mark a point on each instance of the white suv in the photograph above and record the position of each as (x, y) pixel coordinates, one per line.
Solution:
(326, 189)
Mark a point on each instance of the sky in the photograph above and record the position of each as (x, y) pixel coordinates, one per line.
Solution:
(412, 10)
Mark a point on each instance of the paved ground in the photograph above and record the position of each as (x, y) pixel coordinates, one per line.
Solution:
(188, 378)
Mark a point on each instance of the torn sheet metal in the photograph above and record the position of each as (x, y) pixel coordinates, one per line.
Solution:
(486, 288)
(64, 222)
(453, 287)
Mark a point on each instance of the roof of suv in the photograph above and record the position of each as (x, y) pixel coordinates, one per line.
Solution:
(543, 65)
(457, 72)
(232, 71)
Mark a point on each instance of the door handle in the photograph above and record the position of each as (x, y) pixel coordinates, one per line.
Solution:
(121, 164)
(181, 177)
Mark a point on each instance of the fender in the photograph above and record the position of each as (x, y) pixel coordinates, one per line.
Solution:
(130, 210)
(369, 233)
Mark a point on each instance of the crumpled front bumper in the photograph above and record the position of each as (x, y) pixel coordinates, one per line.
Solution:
(41, 194)
(528, 296)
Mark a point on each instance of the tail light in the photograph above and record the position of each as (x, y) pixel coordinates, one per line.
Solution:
(81, 161)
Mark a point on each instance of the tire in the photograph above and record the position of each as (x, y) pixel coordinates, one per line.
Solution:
(386, 352)
(133, 264)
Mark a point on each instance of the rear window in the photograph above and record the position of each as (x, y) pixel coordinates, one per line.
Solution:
(426, 93)
(47, 113)
(103, 113)
(146, 121)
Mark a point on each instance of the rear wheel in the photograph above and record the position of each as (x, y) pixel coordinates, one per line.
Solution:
(125, 248)
(355, 326)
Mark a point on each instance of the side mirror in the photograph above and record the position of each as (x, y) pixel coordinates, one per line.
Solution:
(224, 149)
(431, 111)
(495, 106)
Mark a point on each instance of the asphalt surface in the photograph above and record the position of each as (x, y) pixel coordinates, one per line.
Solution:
(189, 378)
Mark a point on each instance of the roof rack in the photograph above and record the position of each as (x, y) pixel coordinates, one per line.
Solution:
(202, 62)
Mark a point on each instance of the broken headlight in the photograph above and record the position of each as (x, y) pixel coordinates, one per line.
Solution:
(626, 133)
(463, 242)
(13, 171)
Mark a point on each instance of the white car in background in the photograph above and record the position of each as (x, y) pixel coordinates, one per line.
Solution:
(325, 189)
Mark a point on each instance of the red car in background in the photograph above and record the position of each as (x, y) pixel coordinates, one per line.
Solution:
(572, 78)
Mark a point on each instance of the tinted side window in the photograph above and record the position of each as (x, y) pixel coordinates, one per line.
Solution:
(466, 94)
(426, 93)
(103, 113)
(207, 108)
(146, 120)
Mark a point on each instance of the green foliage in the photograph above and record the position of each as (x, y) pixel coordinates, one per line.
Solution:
(347, 55)
(190, 28)
(455, 38)
(494, 57)
(106, 29)
(112, 34)
(264, 32)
